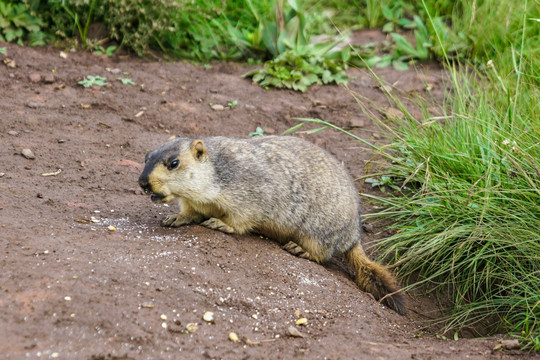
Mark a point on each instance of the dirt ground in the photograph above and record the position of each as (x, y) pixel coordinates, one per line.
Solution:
(70, 288)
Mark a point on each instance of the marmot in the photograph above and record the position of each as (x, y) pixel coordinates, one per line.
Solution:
(280, 186)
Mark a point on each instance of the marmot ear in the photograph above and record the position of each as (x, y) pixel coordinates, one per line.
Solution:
(198, 149)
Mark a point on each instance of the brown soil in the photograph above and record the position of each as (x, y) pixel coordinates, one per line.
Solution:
(71, 288)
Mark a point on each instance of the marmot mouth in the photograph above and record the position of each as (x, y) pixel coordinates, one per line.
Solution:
(156, 197)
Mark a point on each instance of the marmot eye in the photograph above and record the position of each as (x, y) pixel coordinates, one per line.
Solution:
(173, 165)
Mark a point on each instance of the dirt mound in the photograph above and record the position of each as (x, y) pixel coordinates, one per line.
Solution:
(73, 288)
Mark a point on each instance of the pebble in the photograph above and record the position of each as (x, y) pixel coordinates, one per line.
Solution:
(208, 316)
(301, 321)
(34, 77)
(163, 317)
(377, 136)
(294, 332)
(2, 174)
(233, 337)
(48, 78)
(34, 104)
(13, 133)
(357, 122)
(367, 227)
(192, 327)
(394, 114)
(27, 153)
(512, 344)
(218, 107)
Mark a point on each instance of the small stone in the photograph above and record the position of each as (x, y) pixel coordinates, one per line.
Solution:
(233, 337)
(269, 131)
(111, 228)
(511, 344)
(292, 331)
(192, 327)
(377, 136)
(48, 78)
(394, 114)
(27, 153)
(301, 321)
(63, 55)
(13, 133)
(147, 305)
(2, 174)
(67, 298)
(34, 77)
(357, 122)
(163, 317)
(208, 316)
(61, 141)
(164, 325)
(367, 228)
(34, 104)
(218, 107)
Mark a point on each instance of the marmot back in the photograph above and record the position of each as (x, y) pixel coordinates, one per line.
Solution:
(284, 187)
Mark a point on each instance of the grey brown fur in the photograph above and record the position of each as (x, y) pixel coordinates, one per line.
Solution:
(282, 187)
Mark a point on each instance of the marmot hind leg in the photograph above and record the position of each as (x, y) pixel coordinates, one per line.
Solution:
(297, 250)
(308, 249)
(217, 224)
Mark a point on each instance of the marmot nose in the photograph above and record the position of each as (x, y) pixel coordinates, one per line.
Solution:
(143, 182)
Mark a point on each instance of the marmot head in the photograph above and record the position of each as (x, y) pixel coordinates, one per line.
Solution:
(180, 168)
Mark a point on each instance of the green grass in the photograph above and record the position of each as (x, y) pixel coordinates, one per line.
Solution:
(467, 217)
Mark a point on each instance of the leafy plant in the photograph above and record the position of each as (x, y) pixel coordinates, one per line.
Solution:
(395, 19)
(125, 81)
(296, 71)
(90, 81)
(109, 51)
(82, 26)
(18, 25)
(382, 182)
(420, 50)
(259, 131)
(3, 50)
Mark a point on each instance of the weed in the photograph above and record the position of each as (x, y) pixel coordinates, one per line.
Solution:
(382, 182)
(82, 26)
(90, 81)
(109, 51)
(18, 25)
(298, 70)
(259, 131)
(125, 81)
(3, 50)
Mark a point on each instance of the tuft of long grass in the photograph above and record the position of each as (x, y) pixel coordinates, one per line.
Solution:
(467, 216)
